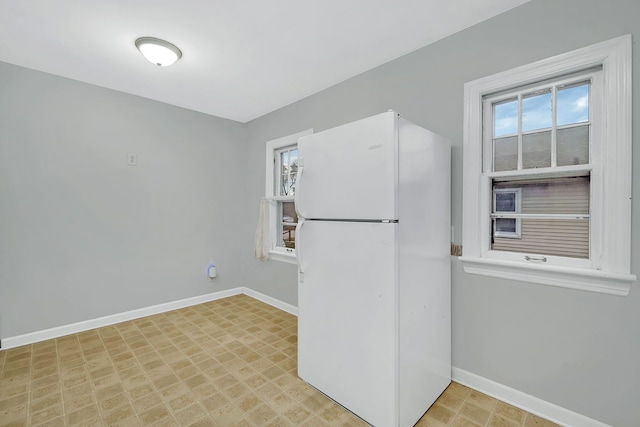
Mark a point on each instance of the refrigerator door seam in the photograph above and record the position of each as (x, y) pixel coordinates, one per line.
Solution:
(374, 221)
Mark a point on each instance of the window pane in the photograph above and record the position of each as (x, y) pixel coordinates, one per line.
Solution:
(573, 146)
(289, 212)
(573, 104)
(505, 154)
(288, 185)
(505, 202)
(293, 167)
(284, 162)
(559, 237)
(536, 111)
(293, 170)
(536, 150)
(552, 235)
(292, 184)
(287, 219)
(284, 174)
(284, 189)
(288, 172)
(505, 118)
(289, 236)
(551, 195)
(505, 225)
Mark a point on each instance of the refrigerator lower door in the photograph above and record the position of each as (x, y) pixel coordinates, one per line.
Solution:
(347, 340)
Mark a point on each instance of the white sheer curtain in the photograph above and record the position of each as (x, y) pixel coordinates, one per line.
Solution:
(262, 242)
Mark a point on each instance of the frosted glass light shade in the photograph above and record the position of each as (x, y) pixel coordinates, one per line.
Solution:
(159, 52)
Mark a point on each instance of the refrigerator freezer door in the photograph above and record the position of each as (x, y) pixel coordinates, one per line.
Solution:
(350, 172)
(347, 342)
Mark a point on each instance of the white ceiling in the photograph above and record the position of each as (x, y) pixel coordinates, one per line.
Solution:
(241, 58)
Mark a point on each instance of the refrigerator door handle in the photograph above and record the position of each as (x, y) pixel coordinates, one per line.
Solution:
(296, 197)
(299, 246)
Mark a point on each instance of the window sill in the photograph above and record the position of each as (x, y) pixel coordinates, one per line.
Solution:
(564, 277)
(287, 257)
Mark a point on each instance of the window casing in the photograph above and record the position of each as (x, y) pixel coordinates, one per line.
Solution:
(281, 177)
(547, 159)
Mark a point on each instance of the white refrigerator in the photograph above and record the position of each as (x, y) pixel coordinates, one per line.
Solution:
(373, 247)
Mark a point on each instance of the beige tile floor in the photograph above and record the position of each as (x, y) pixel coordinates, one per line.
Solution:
(230, 362)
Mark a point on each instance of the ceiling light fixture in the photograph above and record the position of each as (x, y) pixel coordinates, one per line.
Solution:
(159, 52)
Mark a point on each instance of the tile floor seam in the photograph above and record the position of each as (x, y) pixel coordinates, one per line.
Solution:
(135, 356)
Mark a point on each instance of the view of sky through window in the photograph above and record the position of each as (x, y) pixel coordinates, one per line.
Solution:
(536, 111)
(289, 171)
(572, 106)
(505, 118)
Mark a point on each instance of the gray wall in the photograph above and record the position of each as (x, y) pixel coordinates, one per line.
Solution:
(575, 349)
(84, 235)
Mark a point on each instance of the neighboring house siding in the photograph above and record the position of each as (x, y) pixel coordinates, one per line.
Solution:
(560, 237)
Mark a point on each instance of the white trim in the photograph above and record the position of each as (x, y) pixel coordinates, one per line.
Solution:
(567, 277)
(276, 252)
(280, 255)
(617, 176)
(291, 309)
(555, 172)
(519, 399)
(611, 231)
(272, 146)
(74, 328)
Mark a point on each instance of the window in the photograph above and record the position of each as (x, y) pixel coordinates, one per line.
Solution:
(536, 141)
(506, 203)
(286, 167)
(546, 184)
(281, 177)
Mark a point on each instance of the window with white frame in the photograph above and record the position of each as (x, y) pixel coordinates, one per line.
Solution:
(506, 202)
(536, 140)
(281, 178)
(286, 169)
(547, 154)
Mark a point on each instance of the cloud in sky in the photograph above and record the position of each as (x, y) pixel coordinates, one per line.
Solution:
(581, 104)
(573, 105)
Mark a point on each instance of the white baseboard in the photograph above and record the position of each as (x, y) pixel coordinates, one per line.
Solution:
(291, 309)
(524, 401)
(499, 391)
(75, 328)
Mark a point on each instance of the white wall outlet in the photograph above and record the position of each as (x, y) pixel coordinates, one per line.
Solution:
(132, 159)
(212, 271)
